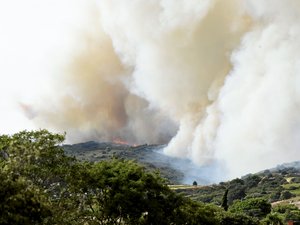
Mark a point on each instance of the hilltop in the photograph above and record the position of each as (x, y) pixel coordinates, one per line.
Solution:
(149, 156)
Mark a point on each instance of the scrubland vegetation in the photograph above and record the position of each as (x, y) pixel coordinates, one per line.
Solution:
(40, 184)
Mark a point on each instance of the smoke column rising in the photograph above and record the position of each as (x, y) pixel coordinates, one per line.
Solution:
(94, 101)
(218, 80)
(259, 102)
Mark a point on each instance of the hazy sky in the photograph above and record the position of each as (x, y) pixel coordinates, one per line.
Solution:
(35, 36)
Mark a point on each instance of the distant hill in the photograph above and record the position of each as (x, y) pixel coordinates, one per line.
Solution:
(176, 170)
(276, 184)
(148, 155)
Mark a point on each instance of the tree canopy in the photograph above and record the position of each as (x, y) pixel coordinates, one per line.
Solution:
(42, 185)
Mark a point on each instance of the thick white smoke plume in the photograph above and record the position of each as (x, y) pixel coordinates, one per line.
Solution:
(259, 102)
(219, 80)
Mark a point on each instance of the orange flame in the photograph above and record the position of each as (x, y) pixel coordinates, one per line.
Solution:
(123, 142)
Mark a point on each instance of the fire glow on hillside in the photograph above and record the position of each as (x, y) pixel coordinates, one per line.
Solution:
(122, 142)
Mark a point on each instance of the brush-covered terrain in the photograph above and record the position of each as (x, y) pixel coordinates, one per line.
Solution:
(279, 185)
(284, 177)
(41, 184)
(149, 156)
(276, 184)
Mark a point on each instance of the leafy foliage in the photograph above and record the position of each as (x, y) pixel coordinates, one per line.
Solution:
(274, 185)
(21, 202)
(146, 155)
(120, 191)
(229, 218)
(287, 212)
(224, 204)
(41, 185)
(273, 218)
(256, 207)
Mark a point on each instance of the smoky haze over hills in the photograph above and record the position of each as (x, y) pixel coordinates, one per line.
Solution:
(176, 170)
(218, 81)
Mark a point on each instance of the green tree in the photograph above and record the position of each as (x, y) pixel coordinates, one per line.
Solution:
(273, 219)
(275, 196)
(286, 195)
(287, 211)
(224, 204)
(37, 157)
(41, 185)
(228, 218)
(252, 181)
(197, 213)
(284, 208)
(122, 192)
(237, 190)
(257, 207)
(20, 202)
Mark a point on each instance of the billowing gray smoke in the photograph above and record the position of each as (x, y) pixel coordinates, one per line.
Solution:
(219, 80)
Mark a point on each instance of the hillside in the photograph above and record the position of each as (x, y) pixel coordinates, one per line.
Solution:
(147, 155)
(276, 184)
(44, 186)
(175, 170)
